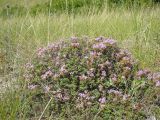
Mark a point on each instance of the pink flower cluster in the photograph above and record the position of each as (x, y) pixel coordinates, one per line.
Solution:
(99, 46)
(53, 47)
(84, 99)
(41, 52)
(142, 73)
(102, 100)
(101, 38)
(97, 72)
(47, 74)
(109, 42)
(74, 42)
(61, 95)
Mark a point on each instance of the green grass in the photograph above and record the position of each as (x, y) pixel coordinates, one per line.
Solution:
(136, 30)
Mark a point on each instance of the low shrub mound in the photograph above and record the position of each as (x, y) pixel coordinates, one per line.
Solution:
(89, 74)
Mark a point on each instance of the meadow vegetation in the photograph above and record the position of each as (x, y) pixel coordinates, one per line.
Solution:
(27, 26)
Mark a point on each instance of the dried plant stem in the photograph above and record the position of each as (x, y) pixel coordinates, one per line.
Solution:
(45, 108)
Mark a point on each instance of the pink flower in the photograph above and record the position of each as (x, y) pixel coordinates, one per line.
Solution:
(157, 83)
(109, 41)
(114, 77)
(91, 72)
(140, 73)
(93, 53)
(104, 73)
(53, 47)
(82, 95)
(116, 92)
(102, 100)
(47, 75)
(99, 46)
(99, 38)
(41, 52)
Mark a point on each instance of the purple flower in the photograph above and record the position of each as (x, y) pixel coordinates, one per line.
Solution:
(99, 38)
(47, 74)
(102, 100)
(93, 53)
(53, 47)
(114, 77)
(109, 41)
(99, 46)
(116, 92)
(82, 95)
(140, 73)
(104, 73)
(157, 83)
(91, 72)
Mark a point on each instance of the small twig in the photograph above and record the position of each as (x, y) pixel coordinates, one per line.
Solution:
(45, 108)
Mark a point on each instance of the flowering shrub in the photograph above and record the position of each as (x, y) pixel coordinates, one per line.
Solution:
(87, 73)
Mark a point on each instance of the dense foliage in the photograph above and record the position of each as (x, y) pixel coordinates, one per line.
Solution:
(87, 74)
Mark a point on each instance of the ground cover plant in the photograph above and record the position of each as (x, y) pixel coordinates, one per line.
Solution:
(89, 74)
(28, 26)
